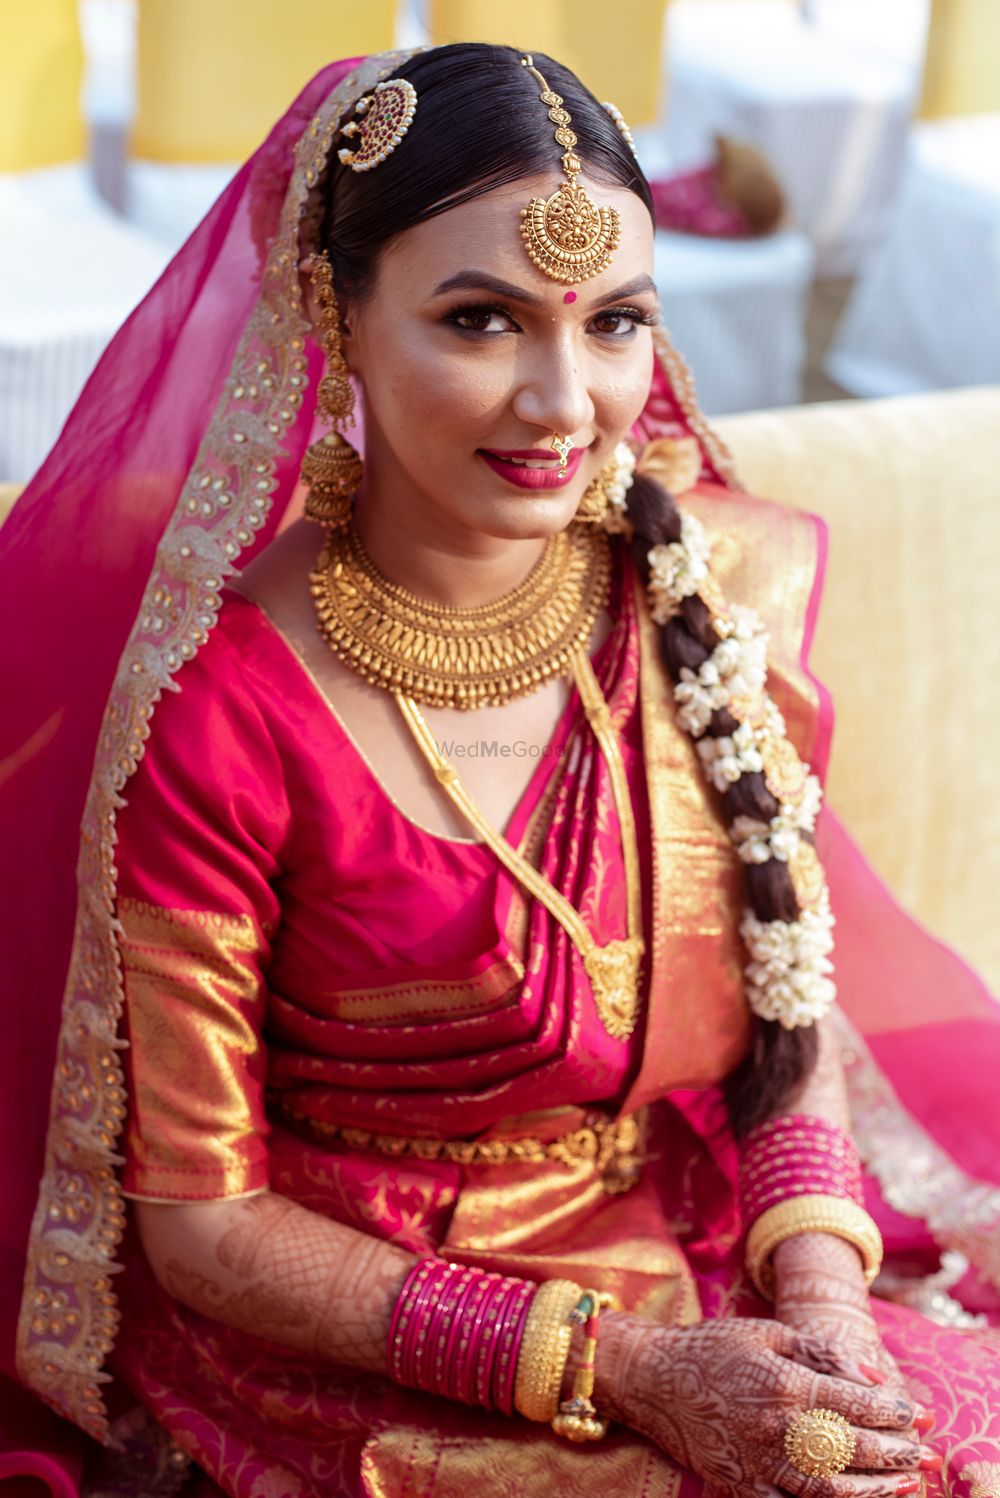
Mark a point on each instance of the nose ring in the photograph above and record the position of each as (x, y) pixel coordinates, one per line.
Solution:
(563, 446)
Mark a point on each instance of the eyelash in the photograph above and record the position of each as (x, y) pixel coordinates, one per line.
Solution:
(636, 315)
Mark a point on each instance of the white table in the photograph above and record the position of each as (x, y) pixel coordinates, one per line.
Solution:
(70, 273)
(736, 311)
(830, 115)
(926, 314)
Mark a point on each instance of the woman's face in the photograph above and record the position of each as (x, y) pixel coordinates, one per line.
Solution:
(468, 354)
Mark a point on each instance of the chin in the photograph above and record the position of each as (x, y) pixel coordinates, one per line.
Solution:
(526, 519)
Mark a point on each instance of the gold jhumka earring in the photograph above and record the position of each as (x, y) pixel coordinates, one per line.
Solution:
(331, 467)
(605, 499)
(567, 236)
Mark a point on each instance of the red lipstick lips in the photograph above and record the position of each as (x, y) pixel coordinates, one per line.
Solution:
(511, 465)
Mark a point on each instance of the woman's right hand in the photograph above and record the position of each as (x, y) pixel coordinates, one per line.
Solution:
(718, 1398)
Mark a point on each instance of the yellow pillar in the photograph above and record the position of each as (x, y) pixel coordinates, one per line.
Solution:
(962, 70)
(619, 52)
(214, 75)
(615, 50)
(41, 76)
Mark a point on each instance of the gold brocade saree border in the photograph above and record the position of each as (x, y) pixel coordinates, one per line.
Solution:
(69, 1316)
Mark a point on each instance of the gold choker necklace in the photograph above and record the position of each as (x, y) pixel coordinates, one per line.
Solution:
(462, 657)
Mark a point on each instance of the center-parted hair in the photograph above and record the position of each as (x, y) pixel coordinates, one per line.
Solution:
(480, 125)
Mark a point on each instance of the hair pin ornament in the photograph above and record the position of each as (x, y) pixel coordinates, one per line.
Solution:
(385, 116)
(567, 236)
(615, 114)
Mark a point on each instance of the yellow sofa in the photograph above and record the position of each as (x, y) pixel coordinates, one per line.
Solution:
(908, 638)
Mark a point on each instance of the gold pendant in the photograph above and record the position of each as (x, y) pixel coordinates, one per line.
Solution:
(567, 236)
(613, 971)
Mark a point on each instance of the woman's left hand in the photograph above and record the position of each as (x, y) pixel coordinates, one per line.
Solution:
(820, 1288)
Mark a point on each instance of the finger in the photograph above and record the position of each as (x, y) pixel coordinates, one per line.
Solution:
(873, 1451)
(822, 1356)
(845, 1484)
(874, 1407)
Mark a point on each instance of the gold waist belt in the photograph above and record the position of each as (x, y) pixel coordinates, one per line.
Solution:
(612, 1146)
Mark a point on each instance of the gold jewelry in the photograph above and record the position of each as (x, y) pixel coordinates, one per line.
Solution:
(613, 1146)
(811, 1214)
(622, 124)
(331, 467)
(613, 969)
(604, 500)
(567, 236)
(577, 1419)
(541, 1361)
(468, 657)
(387, 113)
(563, 446)
(820, 1443)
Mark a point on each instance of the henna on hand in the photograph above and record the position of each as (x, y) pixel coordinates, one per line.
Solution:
(820, 1288)
(268, 1266)
(718, 1397)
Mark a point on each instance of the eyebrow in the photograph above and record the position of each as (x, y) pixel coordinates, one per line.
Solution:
(476, 280)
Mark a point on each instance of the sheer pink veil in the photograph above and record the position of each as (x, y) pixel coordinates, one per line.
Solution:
(175, 467)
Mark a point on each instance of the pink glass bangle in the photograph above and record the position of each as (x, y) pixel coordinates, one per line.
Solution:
(455, 1331)
(402, 1314)
(509, 1345)
(490, 1342)
(797, 1155)
(449, 1344)
(484, 1320)
(456, 1375)
(416, 1334)
(430, 1372)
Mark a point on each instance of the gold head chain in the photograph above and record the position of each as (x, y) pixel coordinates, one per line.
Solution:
(567, 236)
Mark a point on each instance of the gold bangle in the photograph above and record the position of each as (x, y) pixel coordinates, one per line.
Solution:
(541, 1362)
(811, 1214)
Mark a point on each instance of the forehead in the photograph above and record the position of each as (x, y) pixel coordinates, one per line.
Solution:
(485, 233)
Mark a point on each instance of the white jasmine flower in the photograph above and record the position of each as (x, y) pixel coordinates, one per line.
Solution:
(808, 806)
(728, 757)
(616, 488)
(788, 975)
(677, 569)
(697, 696)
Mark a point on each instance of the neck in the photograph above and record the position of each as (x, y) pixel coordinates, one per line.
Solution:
(417, 547)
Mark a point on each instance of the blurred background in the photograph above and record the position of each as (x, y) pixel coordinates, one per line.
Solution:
(858, 254)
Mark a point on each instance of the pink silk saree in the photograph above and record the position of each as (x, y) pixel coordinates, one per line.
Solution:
(175, 467)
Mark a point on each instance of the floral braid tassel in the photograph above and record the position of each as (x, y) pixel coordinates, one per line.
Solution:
(787, 978)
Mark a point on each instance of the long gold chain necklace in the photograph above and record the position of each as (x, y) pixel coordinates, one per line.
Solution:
(613, 969)
(462, 657)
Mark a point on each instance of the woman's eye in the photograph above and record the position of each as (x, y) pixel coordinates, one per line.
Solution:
(620, 324)
(483, 320)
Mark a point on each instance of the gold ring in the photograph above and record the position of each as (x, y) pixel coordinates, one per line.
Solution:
(820, 1443)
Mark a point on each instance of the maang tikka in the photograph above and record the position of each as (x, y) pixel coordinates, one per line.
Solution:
(567, 236)
(331, 467)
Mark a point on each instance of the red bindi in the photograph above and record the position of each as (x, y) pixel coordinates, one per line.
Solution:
(570, 296)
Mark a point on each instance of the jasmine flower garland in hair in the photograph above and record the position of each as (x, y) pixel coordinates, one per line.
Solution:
(788, 976)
